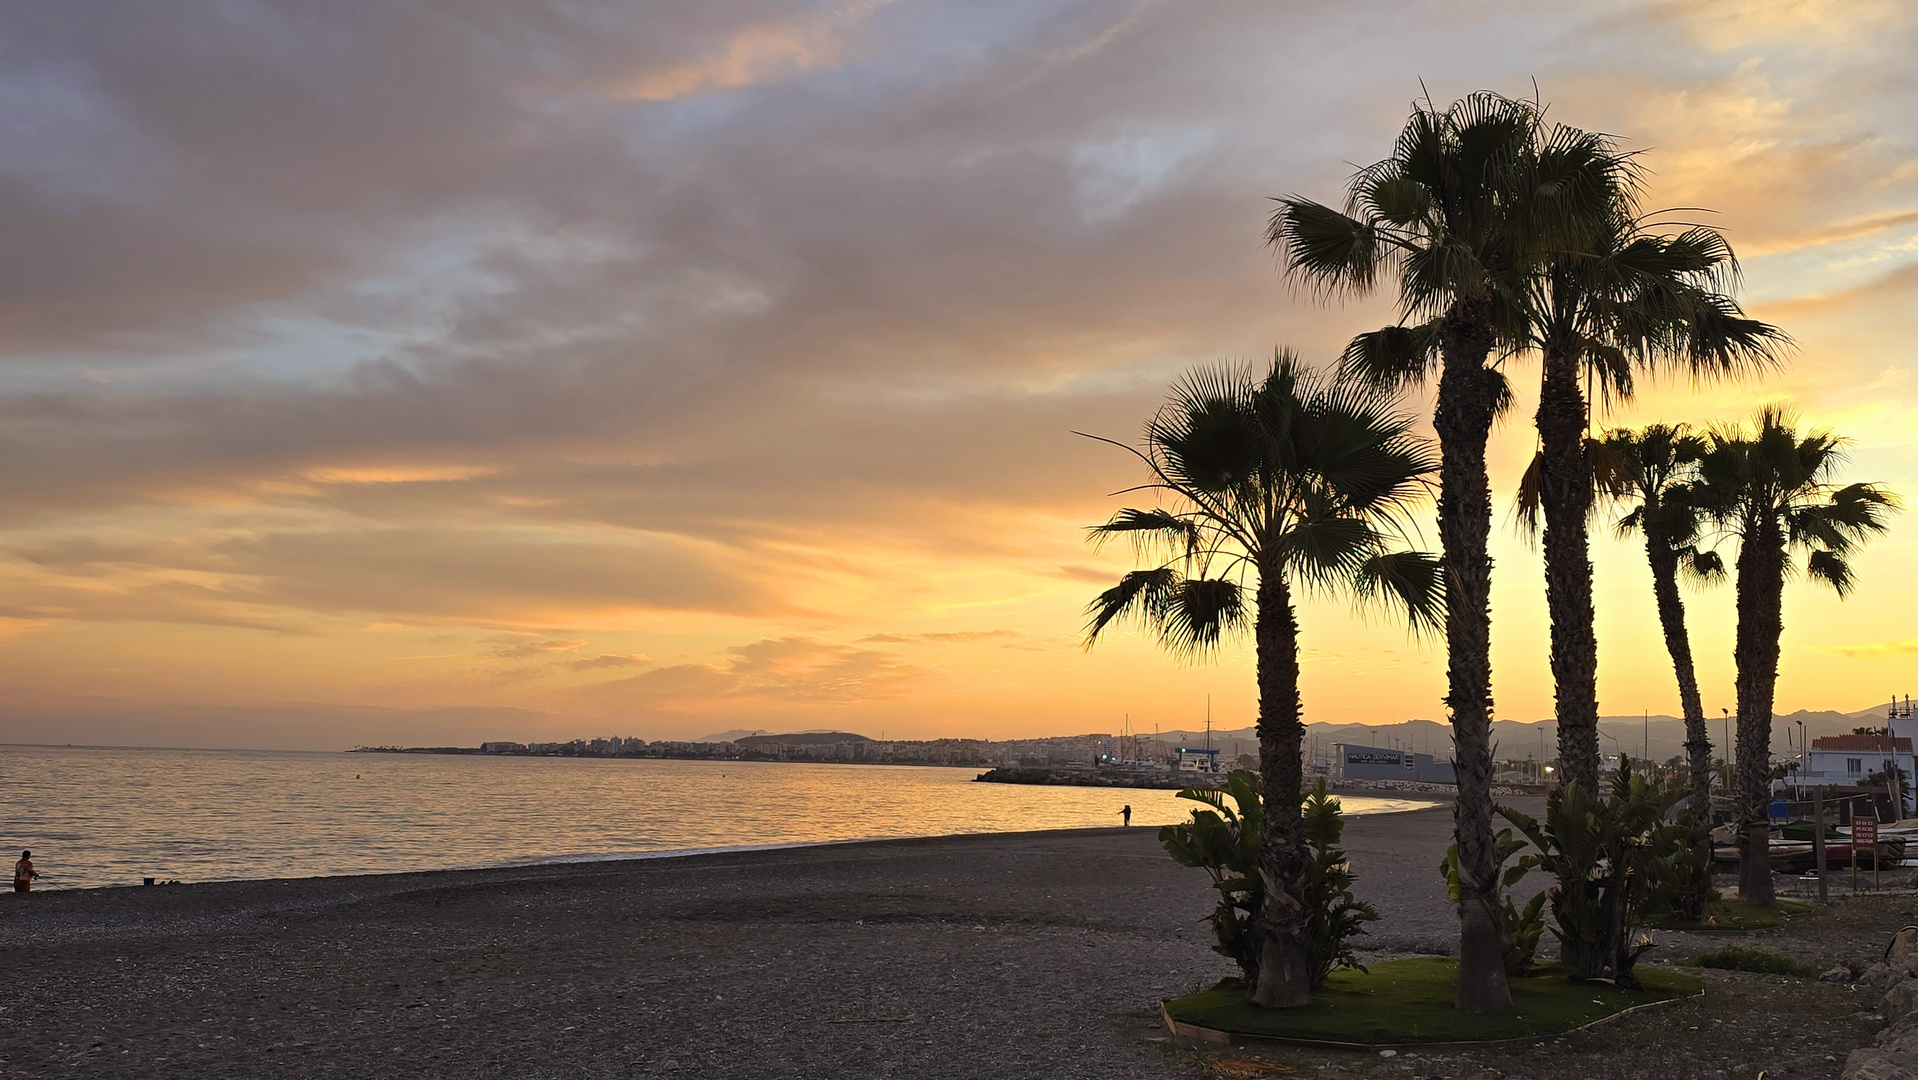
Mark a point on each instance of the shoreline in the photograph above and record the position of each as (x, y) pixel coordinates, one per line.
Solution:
(674, 854)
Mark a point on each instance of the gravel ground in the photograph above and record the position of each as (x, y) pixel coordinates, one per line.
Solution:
(1030, 955)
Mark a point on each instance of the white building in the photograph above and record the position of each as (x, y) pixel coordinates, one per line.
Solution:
(1846, 760)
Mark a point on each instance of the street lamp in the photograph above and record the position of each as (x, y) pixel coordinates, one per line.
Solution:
(1804, 759)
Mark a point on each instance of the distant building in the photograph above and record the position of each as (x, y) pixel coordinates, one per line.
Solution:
(1841, 760)
(502, 748)
(1353, 762)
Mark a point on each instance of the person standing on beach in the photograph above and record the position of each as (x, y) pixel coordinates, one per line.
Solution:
(1127, 815)
(24, 873)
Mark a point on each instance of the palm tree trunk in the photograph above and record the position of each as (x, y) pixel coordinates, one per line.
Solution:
(1285, 968)
(1761, 590)
(1463, 421)
(1565, 493)
(1698, 744)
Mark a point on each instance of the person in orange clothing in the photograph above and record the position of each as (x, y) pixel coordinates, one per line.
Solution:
(24, 873)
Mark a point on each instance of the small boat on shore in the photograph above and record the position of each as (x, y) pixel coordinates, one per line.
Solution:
(1789, 856)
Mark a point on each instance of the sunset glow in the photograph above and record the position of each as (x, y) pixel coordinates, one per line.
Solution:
(467, 374)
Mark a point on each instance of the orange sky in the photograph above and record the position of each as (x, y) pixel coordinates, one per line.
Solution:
(445, 372)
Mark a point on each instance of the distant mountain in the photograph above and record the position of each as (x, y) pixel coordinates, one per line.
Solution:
(733, 736)
(803, 738)
(1519, 739)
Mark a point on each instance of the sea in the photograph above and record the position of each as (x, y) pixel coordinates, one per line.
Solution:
(110, 816)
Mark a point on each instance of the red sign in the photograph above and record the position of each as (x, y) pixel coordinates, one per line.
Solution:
(1864, 832)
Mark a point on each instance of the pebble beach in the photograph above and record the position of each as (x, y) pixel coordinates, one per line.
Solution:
(1008, 955)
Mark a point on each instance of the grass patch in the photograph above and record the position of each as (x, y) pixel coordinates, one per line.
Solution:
(1410, 1001)
(1733, 917)
(1746, 958)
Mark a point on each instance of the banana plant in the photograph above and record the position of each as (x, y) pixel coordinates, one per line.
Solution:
(1614, 858)
(1334, 916)
(1224, 842)
(1521, 928)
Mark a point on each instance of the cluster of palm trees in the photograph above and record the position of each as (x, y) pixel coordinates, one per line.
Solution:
(1506, 236)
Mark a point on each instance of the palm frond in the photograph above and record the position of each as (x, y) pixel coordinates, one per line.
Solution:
(1411, 583)
(1830, 568)
(1392, 356)
(1200, 613)
(1325, 250)
(1145, 526)
(1703, 565)
(1139, 595)
(1528, 503)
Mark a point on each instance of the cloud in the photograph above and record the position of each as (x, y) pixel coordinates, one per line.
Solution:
(769, 674)
(1906, 647)
(755, 53)
(610, 660)
(281, 579)
(522, 648)
(944, 636)
(763, 321)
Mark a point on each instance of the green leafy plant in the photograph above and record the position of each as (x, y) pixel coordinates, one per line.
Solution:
(1615, 860)
(1333, 915)
(1681, 881)
(1520, 928)
(1223, 840)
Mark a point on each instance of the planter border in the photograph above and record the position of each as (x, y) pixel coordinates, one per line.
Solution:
(1234, 1038)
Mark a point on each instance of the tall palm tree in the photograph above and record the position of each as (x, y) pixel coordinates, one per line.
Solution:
(1656, 469)
(1275, 483)
(1775, 491)
(1461, 210)
(1627, 296)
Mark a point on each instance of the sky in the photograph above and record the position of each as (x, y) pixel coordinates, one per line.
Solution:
(395, 371)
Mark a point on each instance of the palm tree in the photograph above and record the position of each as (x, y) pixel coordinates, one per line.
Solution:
(1628, 296)
(1462, 209)
(1657, 468)
(1774, 490)
(1275, 483)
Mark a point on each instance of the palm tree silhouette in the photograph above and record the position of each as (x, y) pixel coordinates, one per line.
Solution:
(1629, 296)
(1775, 491)
(1655, 469)
(1275, 483)
(1471, 199)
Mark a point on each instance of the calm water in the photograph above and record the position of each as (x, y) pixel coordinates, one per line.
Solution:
(111, 817)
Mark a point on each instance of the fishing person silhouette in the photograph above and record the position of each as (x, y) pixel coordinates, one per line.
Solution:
(24, 873)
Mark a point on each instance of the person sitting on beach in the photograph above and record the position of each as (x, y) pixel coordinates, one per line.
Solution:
(24, 873)
(1127, 815)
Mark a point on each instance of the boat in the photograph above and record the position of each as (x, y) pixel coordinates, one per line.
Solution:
(1796, 857)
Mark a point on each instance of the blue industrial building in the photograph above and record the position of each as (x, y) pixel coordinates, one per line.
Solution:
(1353, 762)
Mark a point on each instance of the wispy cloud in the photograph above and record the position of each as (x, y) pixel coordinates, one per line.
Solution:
(1905, 647)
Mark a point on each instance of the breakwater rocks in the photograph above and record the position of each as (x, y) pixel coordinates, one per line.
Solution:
(1895, 1055)
(1168, 781)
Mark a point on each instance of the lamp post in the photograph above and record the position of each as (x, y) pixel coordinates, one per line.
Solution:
(1804, 757)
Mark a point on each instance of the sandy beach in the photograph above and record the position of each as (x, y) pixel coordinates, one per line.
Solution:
(1018, 955)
